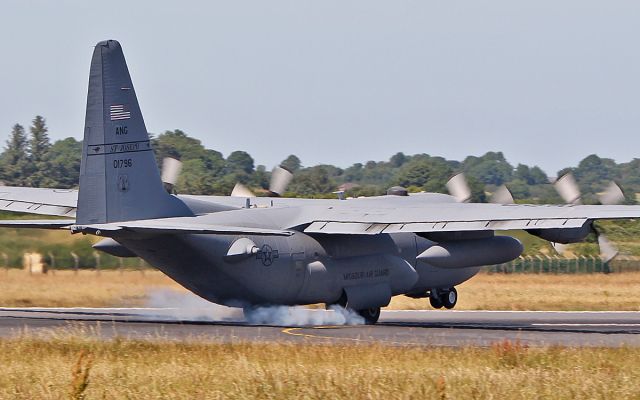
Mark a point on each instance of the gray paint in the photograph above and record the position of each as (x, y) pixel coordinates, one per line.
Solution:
(119, 179)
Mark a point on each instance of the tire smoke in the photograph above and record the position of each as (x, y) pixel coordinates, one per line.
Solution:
(186, 306)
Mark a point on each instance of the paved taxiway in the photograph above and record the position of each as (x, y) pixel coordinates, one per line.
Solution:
(440, 328)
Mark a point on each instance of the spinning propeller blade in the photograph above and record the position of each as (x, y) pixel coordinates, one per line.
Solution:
(280, 179)
(459, 188)
(568, 189)
(170, 172)
(240, 190)
(612, 194)
(502, 196)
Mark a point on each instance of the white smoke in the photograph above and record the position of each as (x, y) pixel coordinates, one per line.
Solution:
(175, 305)
(300, 316)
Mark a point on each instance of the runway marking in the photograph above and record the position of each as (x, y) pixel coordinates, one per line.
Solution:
(295, 332)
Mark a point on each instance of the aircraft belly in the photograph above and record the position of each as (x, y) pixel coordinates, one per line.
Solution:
(179, 260)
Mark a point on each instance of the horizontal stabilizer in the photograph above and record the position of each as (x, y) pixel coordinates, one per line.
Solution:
(182, 225)
(59, 202)
(37, 223)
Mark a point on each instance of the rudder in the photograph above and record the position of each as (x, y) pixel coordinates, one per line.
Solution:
(119, 177)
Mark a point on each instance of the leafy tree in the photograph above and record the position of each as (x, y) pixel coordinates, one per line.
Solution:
(313, 181)
(239, 161)
(491, 168)
(291, 163)
(428, 173)
(398, 159)
(64, 159)
(260, 177)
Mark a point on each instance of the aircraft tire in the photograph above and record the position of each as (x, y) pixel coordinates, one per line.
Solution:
(436, 302)
(449, 299)
(370, 315)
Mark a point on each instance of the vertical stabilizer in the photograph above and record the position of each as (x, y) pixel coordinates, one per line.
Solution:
(119, 177)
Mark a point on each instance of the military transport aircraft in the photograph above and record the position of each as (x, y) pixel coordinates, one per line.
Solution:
(247, 250)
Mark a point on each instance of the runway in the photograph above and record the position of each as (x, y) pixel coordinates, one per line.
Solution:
(402, 328)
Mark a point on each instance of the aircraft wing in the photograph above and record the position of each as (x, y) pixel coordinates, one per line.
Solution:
(58, 202)
(450, 217)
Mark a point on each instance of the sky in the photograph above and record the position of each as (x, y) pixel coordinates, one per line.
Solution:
(340, 82)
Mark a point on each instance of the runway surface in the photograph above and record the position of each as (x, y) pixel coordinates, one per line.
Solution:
(438, 328)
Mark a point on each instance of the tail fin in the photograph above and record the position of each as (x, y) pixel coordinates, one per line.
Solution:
(119, 177)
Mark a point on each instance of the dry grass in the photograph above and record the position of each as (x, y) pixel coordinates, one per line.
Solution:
(542, 292)
(76, 367)
(86, 289)
(485, 291)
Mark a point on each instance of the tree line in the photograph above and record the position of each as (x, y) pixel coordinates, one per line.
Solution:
(30, 159)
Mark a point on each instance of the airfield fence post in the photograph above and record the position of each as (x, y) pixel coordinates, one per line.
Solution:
(120, 265)
(76, 262)
(96, 255)
(5, 260)
(52, 262)
(141, 265)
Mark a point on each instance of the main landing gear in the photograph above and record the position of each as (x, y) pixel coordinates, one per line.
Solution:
(446, 298)
(370, 315)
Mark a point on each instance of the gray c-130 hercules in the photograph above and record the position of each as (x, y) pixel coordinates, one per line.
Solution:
(256, 251)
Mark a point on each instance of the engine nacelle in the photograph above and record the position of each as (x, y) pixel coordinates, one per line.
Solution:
(472, 252)
(563, 235)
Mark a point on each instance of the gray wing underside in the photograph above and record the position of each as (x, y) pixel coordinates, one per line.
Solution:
(57, 202)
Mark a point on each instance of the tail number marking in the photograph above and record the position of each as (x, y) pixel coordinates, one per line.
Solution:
(122, 163)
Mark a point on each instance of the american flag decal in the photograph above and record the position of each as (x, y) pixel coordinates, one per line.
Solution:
(118, 112)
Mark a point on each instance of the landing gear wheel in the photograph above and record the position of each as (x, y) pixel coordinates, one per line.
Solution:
(450, 298)
(370, 315)
(436, 301)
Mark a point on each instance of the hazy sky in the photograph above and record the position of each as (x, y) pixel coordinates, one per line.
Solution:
(546, 82)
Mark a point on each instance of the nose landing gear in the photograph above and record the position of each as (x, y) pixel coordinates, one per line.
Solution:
(446, 298)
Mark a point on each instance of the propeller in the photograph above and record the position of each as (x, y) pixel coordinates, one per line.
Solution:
(170, 172)
(568, 189)
(611, 195)
(240, 190)
(459, 188)
(502, 195)
(280, 179)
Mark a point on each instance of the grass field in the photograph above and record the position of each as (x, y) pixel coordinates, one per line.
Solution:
(70, 366)
(620, 291)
